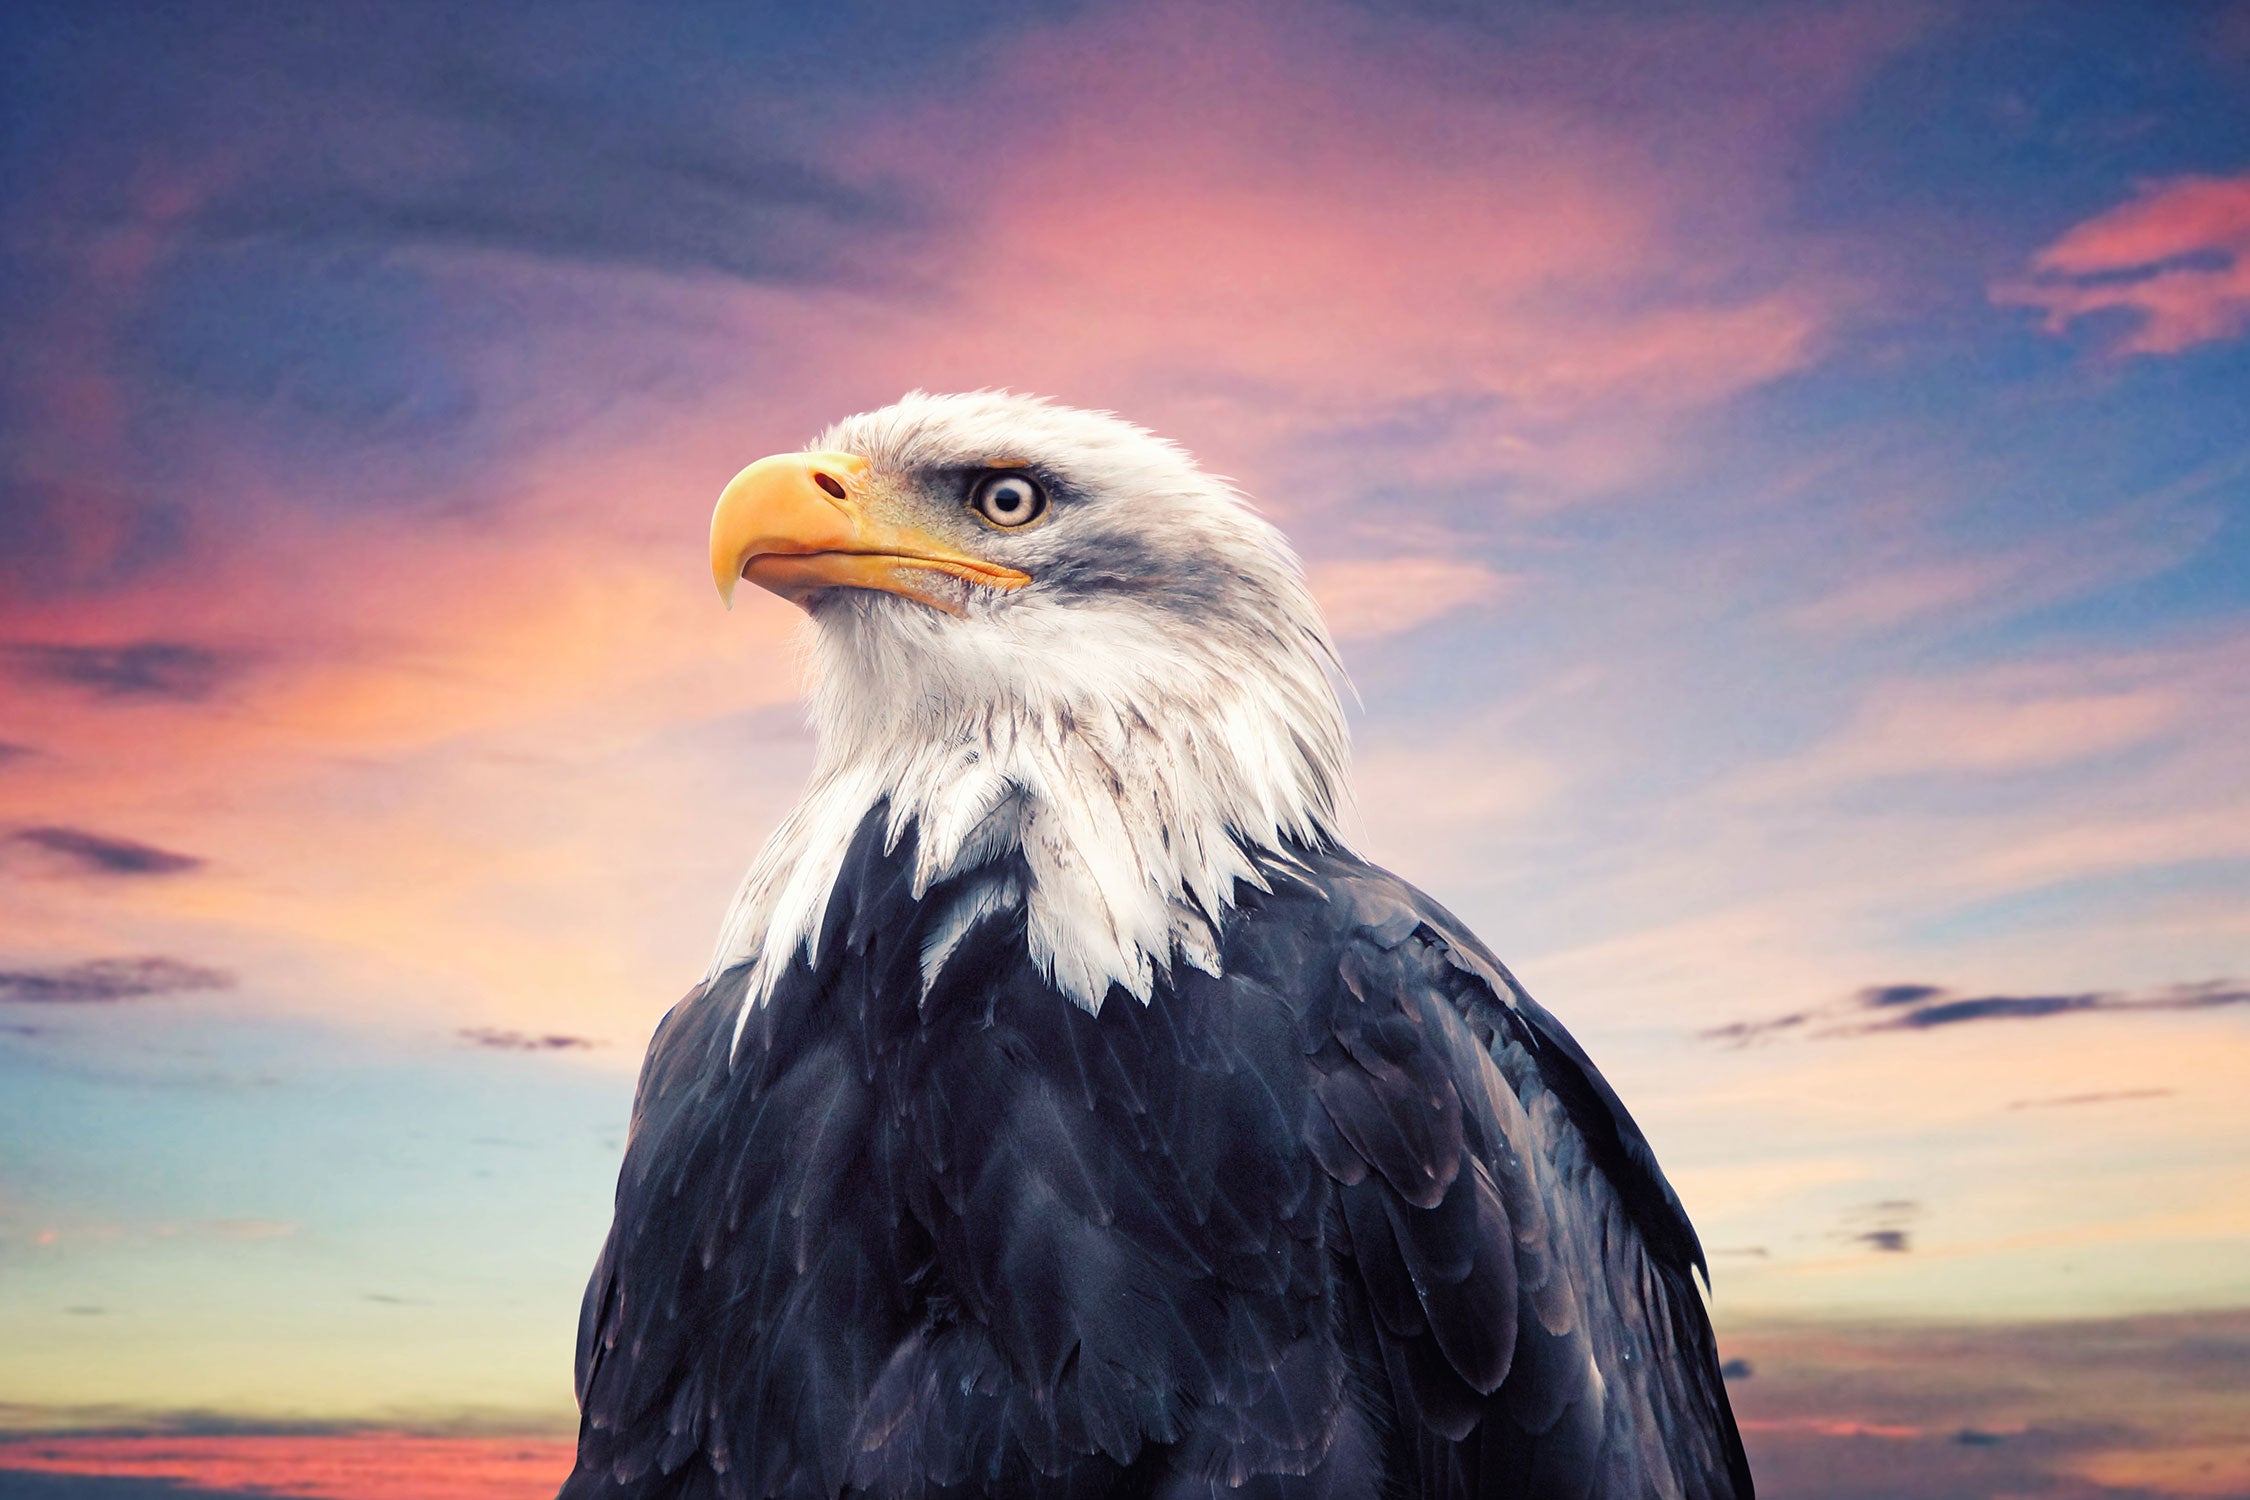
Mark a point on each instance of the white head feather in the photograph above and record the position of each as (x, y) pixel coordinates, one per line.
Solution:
(1145, 721)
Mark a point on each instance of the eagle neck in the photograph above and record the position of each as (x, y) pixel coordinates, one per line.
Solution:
(1118, 824)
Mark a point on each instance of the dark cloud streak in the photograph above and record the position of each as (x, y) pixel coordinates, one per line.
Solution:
(102, 854)
(175, 670)
(1743, 1033)
(1928, 1007)
(377, 128)
(1939, 1010)
(103, 981)
(1886, 1230)
(520, 1041)
(661, 209)
(554, 178)
(1884, 995)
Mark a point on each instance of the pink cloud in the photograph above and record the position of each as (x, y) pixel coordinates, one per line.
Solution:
(1256, 226)
(1373, 597)
(2175, 258)
(363, 1466)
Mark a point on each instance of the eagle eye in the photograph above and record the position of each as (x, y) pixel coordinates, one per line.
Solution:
(1008, 500)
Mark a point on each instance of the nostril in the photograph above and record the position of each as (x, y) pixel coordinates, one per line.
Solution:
(830, 483)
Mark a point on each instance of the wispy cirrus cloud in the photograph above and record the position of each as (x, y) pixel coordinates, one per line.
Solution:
(1991, 722)
(1373, 597)
(2173, 262)
(103, 980)
(2099, 1096)
(1904, 571)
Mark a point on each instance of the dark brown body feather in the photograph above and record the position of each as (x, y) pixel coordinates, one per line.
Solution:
(1357, 1219)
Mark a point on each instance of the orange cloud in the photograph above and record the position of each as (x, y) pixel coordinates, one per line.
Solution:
(421, 780)
(2175, 258)
(2218, 1469)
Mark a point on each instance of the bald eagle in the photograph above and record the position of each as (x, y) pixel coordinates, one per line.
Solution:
(1068, 1111)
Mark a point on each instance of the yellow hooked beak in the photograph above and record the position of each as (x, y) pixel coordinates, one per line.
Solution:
(794, 524)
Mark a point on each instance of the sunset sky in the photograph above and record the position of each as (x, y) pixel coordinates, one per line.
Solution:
(1780, 475)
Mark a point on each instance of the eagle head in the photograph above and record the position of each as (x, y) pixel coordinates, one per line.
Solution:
(1064, 656)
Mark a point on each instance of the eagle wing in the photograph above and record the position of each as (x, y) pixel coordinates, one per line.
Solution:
(740, 1309)
(1526, 1276)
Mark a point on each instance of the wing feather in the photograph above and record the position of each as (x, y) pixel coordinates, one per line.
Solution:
(1528, 1273)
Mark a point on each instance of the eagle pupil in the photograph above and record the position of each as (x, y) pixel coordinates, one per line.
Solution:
(1009, 499)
